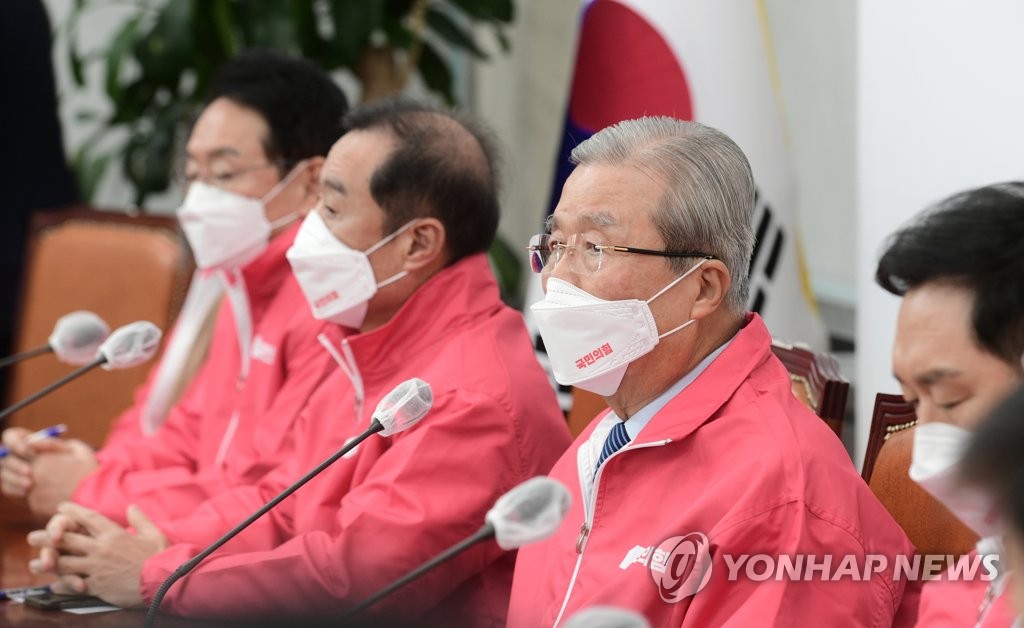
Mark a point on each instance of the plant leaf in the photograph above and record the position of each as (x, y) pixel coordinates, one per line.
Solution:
(122, 43)
(268, 25)
(354, 21)
(75, 61)
(487, 10)
(508, 269)
(503, 39)
(447, 29)
(89, 172)
(436, 74)
(165, 51)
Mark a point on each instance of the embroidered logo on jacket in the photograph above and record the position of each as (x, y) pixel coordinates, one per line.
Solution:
(263, 350)
(680, 565)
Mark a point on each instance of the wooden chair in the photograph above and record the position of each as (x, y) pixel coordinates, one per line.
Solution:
(929, 525)
(816, 382)
(124, 268)
(815, 379)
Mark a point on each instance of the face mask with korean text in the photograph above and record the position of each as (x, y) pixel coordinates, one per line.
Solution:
(337, 280)
(227, 230)
(938, 449)
(591, 341)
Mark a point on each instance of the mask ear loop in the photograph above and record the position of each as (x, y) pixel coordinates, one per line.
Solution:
(385, 240)
(668, 287)
(390, 237)
(274, 191)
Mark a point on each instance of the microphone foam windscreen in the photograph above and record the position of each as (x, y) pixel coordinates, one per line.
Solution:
(131, 345)
(404, 406)
(607, 617)
(77, 336)
(530, 512)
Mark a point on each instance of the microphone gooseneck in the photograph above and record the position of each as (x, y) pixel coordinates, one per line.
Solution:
(399, 410)
(188, 566)
(42, 392)
(485, 532)
(24, 355)
(530, 512)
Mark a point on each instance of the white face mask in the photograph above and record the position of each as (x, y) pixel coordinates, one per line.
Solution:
(337, 280)
(938, 449)
(590, 341)
(228, 230)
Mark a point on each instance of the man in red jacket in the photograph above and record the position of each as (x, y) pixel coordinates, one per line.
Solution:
(959, 267)
(252, 167)
(707, 474)
(395, 252)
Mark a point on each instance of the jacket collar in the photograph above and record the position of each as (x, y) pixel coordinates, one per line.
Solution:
(698, 402)
(264, 275)
(453, 298)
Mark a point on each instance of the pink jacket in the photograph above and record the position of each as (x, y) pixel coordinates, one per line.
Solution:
(224, 431)
(956, 603)
(734, 457)
(393, 503)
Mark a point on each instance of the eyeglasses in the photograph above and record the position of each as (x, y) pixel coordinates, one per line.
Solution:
(587, 257)
(225, 180)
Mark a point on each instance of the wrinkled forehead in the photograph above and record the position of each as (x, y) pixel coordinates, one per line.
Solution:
(607, 198)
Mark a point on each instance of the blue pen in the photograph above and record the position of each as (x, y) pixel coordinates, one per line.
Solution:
(47, 432)
(21, 594)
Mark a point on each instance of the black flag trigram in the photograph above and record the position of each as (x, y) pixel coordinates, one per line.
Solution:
(769, 242)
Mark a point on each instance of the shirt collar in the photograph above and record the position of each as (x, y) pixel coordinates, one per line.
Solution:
(643, 416)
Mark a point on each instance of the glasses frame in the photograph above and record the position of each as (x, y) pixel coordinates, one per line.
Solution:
(536, 249)
(225, 180)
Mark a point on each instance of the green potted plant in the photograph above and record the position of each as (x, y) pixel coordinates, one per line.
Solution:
(160, 61)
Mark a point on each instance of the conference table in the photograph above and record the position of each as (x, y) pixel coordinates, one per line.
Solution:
(15, 553)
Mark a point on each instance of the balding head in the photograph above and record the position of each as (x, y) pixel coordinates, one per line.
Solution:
(443, 165)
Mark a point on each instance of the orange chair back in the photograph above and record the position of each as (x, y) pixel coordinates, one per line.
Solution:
(124, 269)
(929, 525)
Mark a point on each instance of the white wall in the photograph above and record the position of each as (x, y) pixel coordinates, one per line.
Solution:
(940, 109)
(522, 97)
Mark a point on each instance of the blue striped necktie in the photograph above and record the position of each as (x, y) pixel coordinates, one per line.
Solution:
(616, 440)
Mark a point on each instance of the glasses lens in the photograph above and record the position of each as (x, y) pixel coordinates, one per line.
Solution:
(540, 251)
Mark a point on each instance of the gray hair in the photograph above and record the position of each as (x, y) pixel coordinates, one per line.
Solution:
(708, 202)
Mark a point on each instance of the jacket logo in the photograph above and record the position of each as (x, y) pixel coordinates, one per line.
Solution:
(680, 566)
(590, 358)
(263, 350)
(327, 298)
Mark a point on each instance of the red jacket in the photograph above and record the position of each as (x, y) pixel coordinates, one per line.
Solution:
(393, 503)
(737, 458)
(224, 431)
(949, 603)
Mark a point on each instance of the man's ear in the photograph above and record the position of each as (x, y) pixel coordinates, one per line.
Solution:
(425, 244)
(310, 179)
(714, 283)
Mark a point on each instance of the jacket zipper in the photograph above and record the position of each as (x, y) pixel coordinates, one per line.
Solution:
(347, 362)
(588, 519)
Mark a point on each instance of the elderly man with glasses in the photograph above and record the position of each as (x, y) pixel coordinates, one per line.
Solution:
(705, 461)
(252, 166)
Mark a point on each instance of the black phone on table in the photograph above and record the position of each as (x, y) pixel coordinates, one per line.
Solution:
(59, 601)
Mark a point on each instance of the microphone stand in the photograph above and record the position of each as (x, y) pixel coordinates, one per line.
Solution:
(24, 355)
(51, 387)
(485, 532)
(180, 572)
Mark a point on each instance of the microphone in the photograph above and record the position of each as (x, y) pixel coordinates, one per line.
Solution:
(128, 346)
(606, 617)
(75, 339)
(400, 410)
(529, 512)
